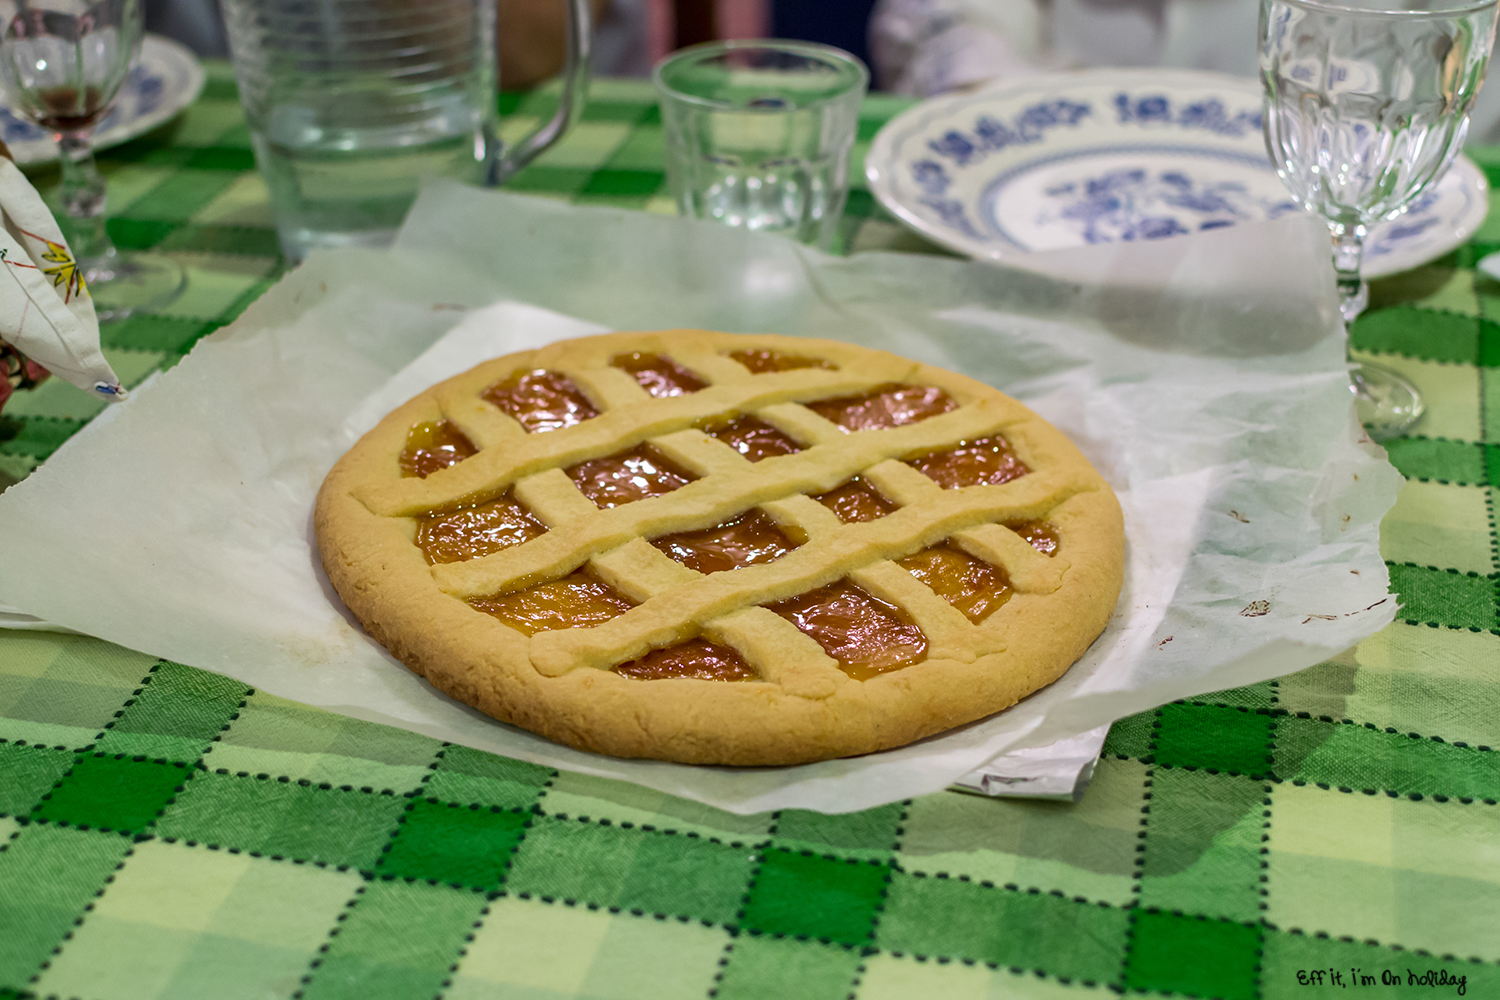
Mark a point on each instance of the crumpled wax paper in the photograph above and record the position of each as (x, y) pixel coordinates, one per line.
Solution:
(1204, 376)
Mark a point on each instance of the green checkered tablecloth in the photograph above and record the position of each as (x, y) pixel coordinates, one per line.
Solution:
(166, 832)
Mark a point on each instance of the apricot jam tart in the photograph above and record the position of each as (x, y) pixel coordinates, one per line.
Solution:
(723, 549)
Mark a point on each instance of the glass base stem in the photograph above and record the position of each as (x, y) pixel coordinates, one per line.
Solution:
(1385, 402)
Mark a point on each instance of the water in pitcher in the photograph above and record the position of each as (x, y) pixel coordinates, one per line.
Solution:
(1363, 114)
(352, 185)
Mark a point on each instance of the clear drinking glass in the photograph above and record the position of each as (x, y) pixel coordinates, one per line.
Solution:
(61, 65)
(352, 102)
(759, 133)
(1366, 105)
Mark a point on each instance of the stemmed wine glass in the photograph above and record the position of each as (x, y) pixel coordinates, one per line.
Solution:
(61, 65)
(1366, 105)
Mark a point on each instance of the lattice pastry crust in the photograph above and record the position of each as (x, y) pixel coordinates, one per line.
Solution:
(792, 701)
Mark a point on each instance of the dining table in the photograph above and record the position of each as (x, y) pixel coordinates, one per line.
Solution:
(168, 832)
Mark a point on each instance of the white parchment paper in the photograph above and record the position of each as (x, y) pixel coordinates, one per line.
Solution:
(1204, 376)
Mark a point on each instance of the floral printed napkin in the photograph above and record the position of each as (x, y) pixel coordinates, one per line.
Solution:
(47, 320)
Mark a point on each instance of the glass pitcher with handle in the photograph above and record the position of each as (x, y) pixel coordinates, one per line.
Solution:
(351, 102)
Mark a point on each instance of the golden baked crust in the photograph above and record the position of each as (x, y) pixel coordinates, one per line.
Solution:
(561, 684)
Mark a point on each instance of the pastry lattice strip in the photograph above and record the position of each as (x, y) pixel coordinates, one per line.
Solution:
(677, 601)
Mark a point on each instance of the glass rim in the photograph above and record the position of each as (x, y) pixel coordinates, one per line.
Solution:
(828, 53)
(1327, 7)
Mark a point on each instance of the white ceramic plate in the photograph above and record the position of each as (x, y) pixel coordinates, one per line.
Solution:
(1101, 156)
(165, 79)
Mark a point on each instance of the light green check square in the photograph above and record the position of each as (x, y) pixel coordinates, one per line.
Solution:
(1414, 679)
(61, 690)
(1419, 874)
(886, 977)
(178, 920)
(283, 738)
(579, 795)
(586, 144)
(1451, 391)
(129, 182)
(530, 950)
(246, 202)
(203, 122)
(1439, 524)
(1087, 850)
(1491, 394)
(215, 282)
(1431, 287)
(643, 149)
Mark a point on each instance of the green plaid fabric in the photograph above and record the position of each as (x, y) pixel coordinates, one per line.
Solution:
(166, 833)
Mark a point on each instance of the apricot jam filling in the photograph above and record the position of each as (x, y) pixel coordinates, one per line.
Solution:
(696, 658)
(629, 476)
(981, 462)
(753, 438)
(855, 501)
(476, 530)
(972, 586)
(774, 361)
(541, 400)
(867, 636)
(746, 540)
(1040, 535)
(661, 377)
(884, 406)
(578, 600)
(432, 446)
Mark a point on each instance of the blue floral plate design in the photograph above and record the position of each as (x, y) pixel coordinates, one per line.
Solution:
(1107, 156)
(166, 78)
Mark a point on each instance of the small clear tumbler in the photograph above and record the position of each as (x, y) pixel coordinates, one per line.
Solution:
(759, 132)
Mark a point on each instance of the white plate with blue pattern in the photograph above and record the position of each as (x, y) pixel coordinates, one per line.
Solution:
(1106, 156)
(166, 78)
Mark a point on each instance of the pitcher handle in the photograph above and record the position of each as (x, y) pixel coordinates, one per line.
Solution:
(569, 107)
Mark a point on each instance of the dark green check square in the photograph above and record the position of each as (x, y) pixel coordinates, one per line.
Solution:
(38, 437)
(1438, 458)
(138, 234)
(26, 773)
(807, 895)
(1235, 740)
(1195, 956)
(181, 195)
(623, 183)
(145, 332)
(221, 158)
(550, 180)
(469, 776)
(953, 918)
(1445, 597)
(1418, 333)
(453, 844)
(112, 793)
(284, 819)
(649, 871)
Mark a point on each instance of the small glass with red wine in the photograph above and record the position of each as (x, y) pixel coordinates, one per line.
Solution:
(61, 64)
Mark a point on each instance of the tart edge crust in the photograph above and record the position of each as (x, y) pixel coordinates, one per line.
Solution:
(384, 579)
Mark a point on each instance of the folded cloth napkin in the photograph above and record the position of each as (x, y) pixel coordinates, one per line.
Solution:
(46, 313)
